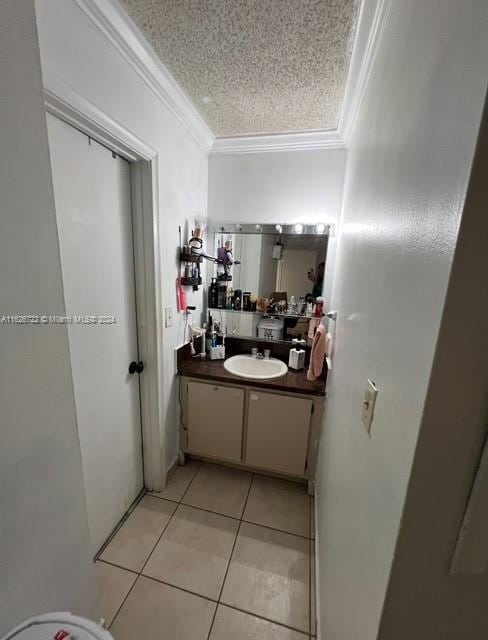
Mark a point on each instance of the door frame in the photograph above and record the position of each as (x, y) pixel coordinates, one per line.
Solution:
(67, 104)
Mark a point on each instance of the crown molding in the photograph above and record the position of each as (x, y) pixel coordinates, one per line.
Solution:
(278, 142)
(118, 30)
(66, 103)
(371, 23)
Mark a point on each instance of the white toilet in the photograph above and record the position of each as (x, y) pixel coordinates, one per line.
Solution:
(58, 626)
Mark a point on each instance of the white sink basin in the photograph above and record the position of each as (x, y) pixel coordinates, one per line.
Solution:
(254, 368)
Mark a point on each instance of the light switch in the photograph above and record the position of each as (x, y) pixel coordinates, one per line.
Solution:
(168, 317)
(368, 405)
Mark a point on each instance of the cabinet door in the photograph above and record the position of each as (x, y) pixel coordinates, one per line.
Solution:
(277, 432)
(215, 417)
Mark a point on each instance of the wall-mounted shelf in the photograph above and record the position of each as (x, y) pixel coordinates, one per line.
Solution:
(190, 282)
(190, 257)
(268, 314)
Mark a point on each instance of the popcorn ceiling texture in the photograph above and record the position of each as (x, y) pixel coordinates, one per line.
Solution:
(268, 66)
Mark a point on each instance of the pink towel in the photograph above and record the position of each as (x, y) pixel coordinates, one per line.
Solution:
(317, 354)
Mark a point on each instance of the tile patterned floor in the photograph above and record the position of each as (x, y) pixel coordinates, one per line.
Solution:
(219, 554)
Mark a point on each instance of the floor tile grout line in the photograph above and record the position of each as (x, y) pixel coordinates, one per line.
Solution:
(123, 602)
(118, 566)
(260, 617)
(153, 495)
(158, 495)
(159, 538)
(257, 524)
(217, 513)
(199, 595)
(167, 524)
(265, 526)
(191, 482)
(218, 602)
(174, 586)
(253, 474)
(226, 515)
(230, 556)
(150, 554)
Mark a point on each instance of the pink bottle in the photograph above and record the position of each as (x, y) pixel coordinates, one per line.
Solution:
(182, 301)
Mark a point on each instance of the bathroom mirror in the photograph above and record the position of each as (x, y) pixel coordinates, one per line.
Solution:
(267, 279)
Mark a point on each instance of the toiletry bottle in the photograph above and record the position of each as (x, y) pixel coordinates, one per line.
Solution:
(208, 333)
(212, 294)
(319, 307)
(221, 295)
(182, 301)
(246, 296)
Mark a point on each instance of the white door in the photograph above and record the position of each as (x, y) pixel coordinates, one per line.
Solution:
(93, 209)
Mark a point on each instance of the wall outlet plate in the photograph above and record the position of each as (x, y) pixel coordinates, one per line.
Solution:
(369, 402)
(168, 317)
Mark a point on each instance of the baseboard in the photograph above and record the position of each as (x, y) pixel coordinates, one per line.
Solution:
(317, 578)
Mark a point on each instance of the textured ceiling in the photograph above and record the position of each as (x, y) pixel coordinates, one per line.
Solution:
(254, 66)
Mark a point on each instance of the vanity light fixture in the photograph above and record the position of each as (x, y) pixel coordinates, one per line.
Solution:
(275, 228)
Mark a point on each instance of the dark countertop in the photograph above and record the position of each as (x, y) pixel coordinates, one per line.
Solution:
(293, 381)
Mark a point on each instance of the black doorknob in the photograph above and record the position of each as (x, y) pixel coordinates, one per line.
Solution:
(136, 367)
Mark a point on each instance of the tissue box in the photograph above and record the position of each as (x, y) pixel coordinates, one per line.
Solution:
(217, 353)
(296, 359)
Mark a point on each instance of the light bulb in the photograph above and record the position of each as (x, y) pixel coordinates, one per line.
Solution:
(258, 227)
(320, 228)
(299, 228)
(279, 228)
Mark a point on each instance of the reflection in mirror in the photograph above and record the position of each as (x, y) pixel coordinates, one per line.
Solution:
(267, 286)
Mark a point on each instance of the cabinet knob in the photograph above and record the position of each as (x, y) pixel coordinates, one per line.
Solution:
(254, 396)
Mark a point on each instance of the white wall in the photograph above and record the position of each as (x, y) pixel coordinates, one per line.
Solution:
(427, 598)
(45, 555)
(74, 50)
(408, 165)
(283, 186)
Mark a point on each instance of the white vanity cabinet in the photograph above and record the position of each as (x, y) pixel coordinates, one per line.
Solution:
(215, 419)
(252, 427)
(277, 432)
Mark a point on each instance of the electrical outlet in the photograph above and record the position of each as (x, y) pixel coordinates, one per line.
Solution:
(168, 317)
(369, 402)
